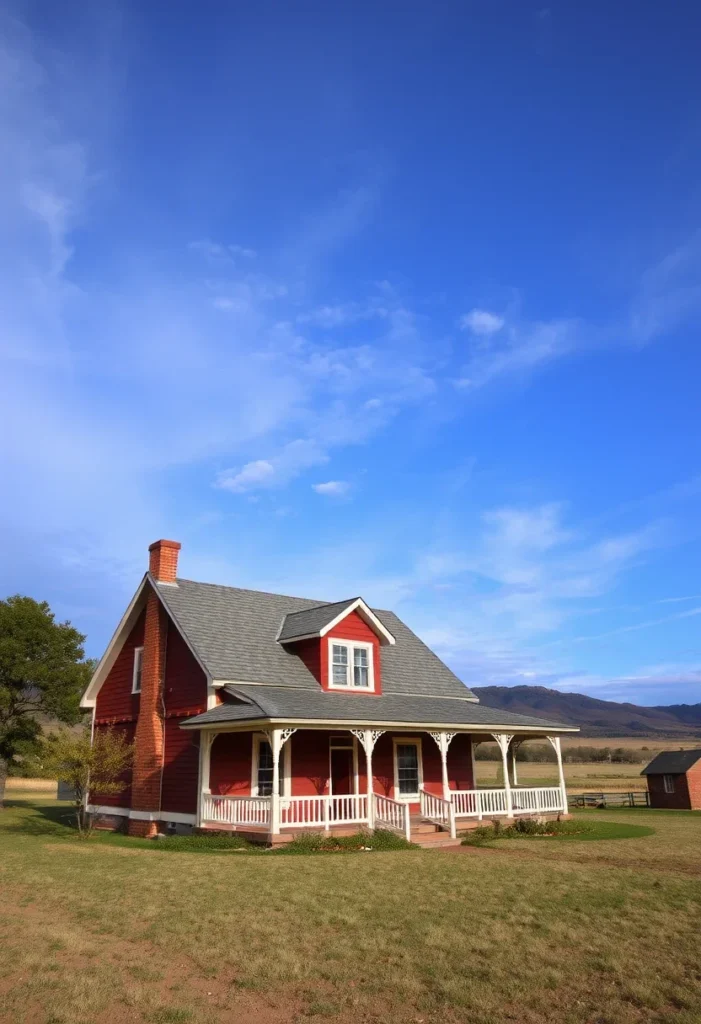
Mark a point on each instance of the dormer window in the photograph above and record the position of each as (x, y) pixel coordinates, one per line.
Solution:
(350, 665)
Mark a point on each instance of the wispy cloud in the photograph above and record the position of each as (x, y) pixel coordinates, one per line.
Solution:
(481, 322)
(332, 488)
(274, 472)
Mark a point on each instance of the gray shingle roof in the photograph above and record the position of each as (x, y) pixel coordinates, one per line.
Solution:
(233, 633)
(311, 620)
(297, 704)
(672, 762)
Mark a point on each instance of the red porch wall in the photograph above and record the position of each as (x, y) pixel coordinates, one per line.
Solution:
(231, 763)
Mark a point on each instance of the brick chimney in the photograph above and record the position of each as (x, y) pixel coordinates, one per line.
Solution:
(148, 741)
(163, 560)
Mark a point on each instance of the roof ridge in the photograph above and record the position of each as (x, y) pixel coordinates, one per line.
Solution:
(290, 597)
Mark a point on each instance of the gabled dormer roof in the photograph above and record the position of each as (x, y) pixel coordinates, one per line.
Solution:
(320, 620)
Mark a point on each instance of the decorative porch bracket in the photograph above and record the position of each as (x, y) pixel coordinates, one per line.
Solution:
(555, 744)
(277, 738)
(443, 741)
(503, 741)
(368, 738)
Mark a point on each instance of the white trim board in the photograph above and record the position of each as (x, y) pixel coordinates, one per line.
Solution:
(405, 741)
(255, 724)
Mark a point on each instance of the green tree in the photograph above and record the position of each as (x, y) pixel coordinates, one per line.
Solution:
(95, 766)
(43, 673)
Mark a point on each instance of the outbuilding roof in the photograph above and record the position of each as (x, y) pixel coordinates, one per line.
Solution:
(672, 762)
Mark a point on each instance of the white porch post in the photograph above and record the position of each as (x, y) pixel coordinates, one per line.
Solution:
(206, 741)
(503, 741)
(443, 741)
(277, 739)
(368, 738)
(555, 743)
(512, 752)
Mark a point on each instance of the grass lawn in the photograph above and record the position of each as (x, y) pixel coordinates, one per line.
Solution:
(580, 778)
(525, 931)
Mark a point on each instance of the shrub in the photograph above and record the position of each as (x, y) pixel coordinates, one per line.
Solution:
(523, 827)
(319, 842)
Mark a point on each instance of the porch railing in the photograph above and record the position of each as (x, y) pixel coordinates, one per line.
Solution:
(236, 810)
(439, 811)
(393, 815)
(324, 811)
(479, 803)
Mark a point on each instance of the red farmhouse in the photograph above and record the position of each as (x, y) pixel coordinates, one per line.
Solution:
(266, 714)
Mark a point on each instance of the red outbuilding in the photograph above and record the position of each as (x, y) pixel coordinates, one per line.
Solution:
(674, 780)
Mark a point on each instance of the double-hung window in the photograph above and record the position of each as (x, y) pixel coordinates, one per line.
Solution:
(407, 768)
(136, 672)
(262, 781)
(350, 665)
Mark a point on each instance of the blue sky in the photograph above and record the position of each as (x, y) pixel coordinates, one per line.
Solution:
(353, 298)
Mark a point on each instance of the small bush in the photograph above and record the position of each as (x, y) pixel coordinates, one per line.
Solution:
(523, 827)
(319, 842)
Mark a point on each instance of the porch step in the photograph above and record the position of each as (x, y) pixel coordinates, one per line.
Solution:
(434, 840)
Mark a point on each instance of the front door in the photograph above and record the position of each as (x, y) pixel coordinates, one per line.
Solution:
(342, 774)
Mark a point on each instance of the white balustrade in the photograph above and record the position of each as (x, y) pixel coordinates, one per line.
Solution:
(439, 811)
(324, 811)
(236, 810)
(479, 803)
(393, 815)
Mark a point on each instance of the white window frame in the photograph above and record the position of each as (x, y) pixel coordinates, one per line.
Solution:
(352, 745)
(399, 741)
(351, 645)
(668, 782)
(137, 670)
(285, 763)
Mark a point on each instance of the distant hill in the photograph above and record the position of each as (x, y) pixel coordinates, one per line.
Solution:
(594, 717)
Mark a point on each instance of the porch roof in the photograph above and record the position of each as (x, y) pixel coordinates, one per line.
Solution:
(253, 703)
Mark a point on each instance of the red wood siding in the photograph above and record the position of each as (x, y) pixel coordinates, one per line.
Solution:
(123, 798)
(181, 769)
(352, 628)
(687, 790)
(115, 699)
(310, 762)
(310, 653)
(185, 684)
(184, 695)
(230, 763)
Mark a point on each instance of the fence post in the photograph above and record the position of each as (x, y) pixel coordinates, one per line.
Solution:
(479, 804)
(327, 809)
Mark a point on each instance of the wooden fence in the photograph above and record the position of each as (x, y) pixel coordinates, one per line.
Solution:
(635, 799)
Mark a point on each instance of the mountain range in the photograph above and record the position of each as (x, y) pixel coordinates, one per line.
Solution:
(595, 717)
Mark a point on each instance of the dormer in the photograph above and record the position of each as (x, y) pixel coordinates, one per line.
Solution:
(340, 644)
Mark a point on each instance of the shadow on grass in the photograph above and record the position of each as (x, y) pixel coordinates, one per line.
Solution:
(40, 819)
